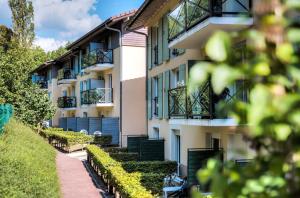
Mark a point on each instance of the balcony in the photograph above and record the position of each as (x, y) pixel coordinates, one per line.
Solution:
(67, 102)
(101, 97)
(97, 60)
(193, 21)
(66, 76)
(41, 81)
(203, 103)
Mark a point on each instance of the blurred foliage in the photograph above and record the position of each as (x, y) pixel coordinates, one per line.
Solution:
(272, 70)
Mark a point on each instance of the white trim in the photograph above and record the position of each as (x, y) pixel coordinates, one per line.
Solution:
(99, 67)
(204, 122)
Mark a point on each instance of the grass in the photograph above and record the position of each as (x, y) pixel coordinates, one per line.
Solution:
(27, 164)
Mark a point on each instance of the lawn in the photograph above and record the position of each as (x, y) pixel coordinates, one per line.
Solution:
(27, 164)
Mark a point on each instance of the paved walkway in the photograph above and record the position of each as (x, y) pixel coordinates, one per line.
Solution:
(75, 181)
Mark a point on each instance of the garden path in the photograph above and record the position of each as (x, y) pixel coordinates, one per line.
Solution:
(75, 179)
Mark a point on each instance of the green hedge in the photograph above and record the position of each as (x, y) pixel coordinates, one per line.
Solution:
(125, 157)
(27, 164)
(153, 182)
(103, 140)
(164, 167)
(127, 184)
(115, 150)
(68, 138)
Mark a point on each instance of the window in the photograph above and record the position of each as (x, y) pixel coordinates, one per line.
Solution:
(175, 78)
(84, 85)
(177, 148)
(155, 133)
(85, 114)
(65, 93)
(109, 80)
(155, 96)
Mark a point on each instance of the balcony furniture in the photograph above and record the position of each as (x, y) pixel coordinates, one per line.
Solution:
(98, 56)
(172, 184)
(97, 96)
(66, 74)
(192, 12)
(66, 102)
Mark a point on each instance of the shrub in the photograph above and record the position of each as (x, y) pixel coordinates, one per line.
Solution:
(27, 164)
(115, 150)
(103, 139)
(163, 167)
(127, 184)
(153, 182)
(125, 157)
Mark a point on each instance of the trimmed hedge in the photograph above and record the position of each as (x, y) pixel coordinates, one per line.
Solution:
(125, 157)
(161, 167)
(27, 164)
(103, 140)
(115, 150)
(153, 182)
(65, 139)
(127, 184)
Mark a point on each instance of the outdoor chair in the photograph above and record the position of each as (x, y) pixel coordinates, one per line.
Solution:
(173, 183)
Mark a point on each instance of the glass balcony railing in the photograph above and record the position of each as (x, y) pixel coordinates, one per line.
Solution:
(66, 102)
(97, 96)
(66, 74)
(97, 56)
(203, 103)
(192, 12)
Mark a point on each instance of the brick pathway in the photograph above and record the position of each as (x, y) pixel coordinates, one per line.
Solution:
(74, 179)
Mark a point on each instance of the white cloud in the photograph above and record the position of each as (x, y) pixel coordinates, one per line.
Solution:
(49, 44)
(69, 18)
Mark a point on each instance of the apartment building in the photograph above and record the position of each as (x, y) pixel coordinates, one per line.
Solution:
(100, 83)
(190, 124)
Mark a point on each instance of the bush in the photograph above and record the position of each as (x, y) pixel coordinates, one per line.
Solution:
(153, 182)
(115, 150)
(127, 184)
(27, 164)
(103, 139)
(163, 167)
(125, 157)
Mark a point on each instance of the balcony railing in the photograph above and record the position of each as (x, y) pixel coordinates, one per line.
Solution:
(66, 74)
(192, 12)
(97, 56)
(97, 96)
(202, 103)
(66, 102)
(41, 81)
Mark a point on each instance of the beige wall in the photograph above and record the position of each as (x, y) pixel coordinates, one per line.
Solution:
(133, 77)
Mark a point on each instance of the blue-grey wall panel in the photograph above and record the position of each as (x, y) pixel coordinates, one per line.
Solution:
(63, 123)
(82, 123)
(71, 124)
(110, 126)
(94, 125)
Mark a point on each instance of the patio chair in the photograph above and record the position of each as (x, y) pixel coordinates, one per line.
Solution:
(173, 183)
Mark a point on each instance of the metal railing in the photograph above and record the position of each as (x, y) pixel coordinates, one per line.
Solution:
(97, 56)
(202, 102)
(97, 96)
(41, 81)
(65, 74)
(66, 102)
(192, 12)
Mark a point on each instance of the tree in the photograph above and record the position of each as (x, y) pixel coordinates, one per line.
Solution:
(272, 70)
(31, 104)
(23, 24)
(5, 36)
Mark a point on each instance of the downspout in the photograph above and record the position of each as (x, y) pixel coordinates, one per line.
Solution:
(146, 95)
(121, 64)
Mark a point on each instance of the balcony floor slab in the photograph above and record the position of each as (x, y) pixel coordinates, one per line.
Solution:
(197, 36)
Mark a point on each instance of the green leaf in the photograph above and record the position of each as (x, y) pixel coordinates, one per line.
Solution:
(293, 33)
(293, 4)
(285, 52)
(199, 74)
(282, 131)
(218, 46)
(262, 69)
(223, 76)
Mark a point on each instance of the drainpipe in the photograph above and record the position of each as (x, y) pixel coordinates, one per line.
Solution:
(146, 35)
(121, 64)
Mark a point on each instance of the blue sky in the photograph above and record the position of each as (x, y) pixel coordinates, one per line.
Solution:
(59, 21)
